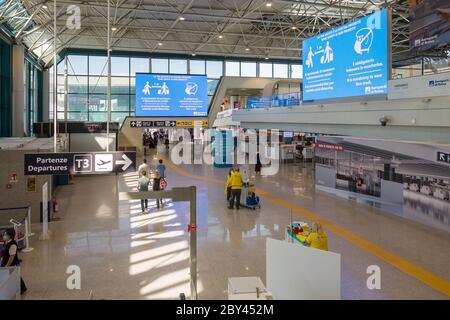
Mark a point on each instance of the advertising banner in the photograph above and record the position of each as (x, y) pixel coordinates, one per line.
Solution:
(166, 95)
(429, 25)
(348, 61)
(420, 87)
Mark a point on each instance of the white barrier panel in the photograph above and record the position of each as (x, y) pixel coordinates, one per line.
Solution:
(9, 283)
(436, 85)
(296, 272)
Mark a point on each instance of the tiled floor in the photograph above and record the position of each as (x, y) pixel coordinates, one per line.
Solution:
(123, 254)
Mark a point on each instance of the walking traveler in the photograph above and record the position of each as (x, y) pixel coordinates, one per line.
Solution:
(143, 183)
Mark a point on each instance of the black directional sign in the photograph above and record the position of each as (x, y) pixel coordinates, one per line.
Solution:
(79, 163)
(443, 157)
(149, 124)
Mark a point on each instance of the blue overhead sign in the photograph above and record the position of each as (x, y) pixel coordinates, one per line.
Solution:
(348, 61)
(167, 95)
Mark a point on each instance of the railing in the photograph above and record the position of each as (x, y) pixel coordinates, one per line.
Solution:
(280, 100)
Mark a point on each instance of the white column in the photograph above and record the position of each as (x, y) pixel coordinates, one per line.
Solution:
(45, 94)
(18, 91)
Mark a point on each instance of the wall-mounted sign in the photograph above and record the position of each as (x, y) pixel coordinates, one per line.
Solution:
(443, 157)
(171, 95)
(435, 85)
(13, 178)
(348, 61)
(31, 184)
(329, 146)
(168, 123)
(79, 163)
(429, 25)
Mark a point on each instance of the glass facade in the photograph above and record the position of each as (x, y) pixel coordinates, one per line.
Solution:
(87, 80)
(30, 83)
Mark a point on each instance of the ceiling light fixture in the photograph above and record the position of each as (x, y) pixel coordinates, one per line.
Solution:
(247, 49)
(268, 4)
(44, 6)
(294, 28)
(267, 58)
(113, 28)
(182, 18)
(160, 44)
(194, 54)
(220, 36)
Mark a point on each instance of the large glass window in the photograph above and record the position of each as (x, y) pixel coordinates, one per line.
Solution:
(77, 64)
(160, 65)
(87, 81)
(265, 70)
(197, 66)
(120, 85)
(178, 66)
(280, 70)
(214, 69)
(248, 69)
(139, 65)
(77, 84)
(232, 68)
(98, 65)
(296, 71)
(120, 66)
(98, 85)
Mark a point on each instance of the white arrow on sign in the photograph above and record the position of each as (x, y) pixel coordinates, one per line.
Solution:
(126, 162)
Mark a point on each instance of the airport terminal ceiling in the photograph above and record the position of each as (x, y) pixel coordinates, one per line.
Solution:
(244, 28)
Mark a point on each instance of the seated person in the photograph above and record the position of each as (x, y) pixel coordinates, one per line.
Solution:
(317, 238)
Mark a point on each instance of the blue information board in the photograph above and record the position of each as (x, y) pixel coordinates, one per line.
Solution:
(348, 61)
(169, 95)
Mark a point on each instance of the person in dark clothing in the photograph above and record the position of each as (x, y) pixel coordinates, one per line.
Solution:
(258, 164)
(10, 256)
(157, 187)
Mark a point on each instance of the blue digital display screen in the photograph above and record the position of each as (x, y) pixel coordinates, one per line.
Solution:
(348, 61)
(169, 95)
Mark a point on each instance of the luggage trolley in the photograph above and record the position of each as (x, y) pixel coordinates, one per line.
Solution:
(249, 198)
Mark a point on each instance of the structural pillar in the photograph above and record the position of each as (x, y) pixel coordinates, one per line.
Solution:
(45, 94)
(18, 92)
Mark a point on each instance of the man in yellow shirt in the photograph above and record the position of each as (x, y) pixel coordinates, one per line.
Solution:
(228, 185)
(236, 183)
(317, 238)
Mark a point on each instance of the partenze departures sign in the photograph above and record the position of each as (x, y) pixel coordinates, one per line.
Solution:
(79, 163)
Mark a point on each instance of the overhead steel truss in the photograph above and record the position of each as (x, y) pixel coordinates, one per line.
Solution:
(244, 28)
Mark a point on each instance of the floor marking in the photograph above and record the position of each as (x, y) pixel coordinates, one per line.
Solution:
(400, 263)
